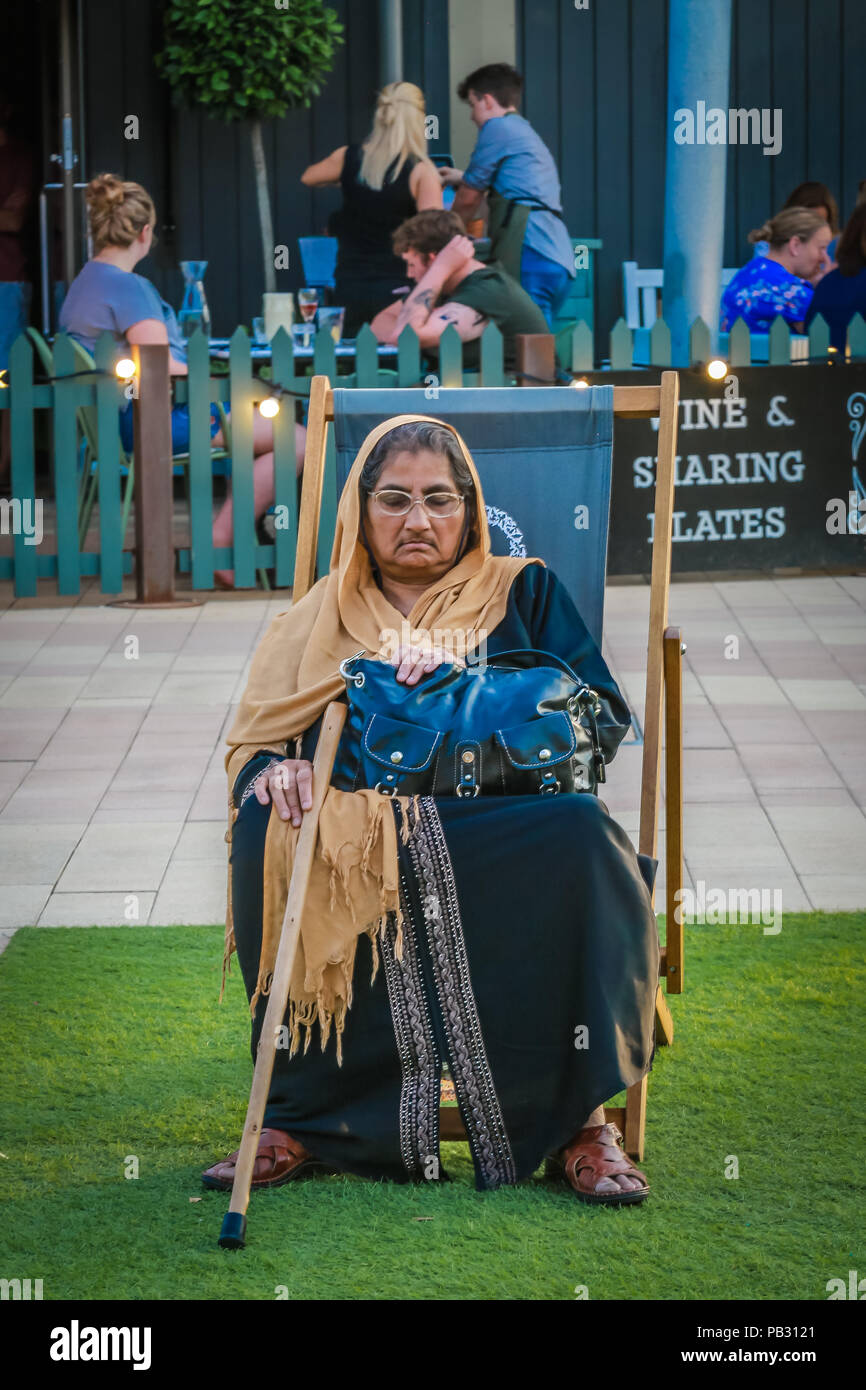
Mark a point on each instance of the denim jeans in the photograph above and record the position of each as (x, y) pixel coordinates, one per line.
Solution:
(545, 281)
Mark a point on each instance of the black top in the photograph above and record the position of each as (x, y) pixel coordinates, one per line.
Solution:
(838, 298)
(364, 224)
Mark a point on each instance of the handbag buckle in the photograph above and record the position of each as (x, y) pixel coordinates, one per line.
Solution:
(385, 791)
(467, 784)
(550, 784)
(357, 680)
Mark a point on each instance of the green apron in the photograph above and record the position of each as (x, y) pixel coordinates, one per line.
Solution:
(506, 228)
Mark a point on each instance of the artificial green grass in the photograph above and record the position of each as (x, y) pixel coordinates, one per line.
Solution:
(114, 1045)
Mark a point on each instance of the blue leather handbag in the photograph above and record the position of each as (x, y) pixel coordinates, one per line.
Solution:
(486, 729)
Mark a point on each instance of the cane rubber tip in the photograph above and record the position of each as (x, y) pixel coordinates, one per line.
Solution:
(233, 1231)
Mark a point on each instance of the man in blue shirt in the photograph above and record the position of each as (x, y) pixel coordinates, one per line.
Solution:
(513, 161)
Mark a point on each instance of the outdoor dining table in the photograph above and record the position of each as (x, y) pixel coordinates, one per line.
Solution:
(261, 352)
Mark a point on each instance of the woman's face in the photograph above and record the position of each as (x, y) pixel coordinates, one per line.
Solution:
(414, 548)
(807, 257)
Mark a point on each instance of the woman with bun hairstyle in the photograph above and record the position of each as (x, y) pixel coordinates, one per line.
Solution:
(811, 195)
(782, 281)
(385, 180)
(107, 294)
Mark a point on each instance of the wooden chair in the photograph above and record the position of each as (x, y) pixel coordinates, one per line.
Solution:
(642, 291)
(664, 659)
(579, 303)
(642, 298)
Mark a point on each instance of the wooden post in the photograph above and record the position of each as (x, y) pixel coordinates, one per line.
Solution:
(154, 507)
(536, 359)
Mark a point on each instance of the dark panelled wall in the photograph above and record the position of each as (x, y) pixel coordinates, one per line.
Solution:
(596, 90)
(199, 171)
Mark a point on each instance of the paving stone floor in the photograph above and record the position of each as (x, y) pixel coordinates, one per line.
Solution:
(112, 789)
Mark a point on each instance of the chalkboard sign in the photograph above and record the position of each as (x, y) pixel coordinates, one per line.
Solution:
(770, 470)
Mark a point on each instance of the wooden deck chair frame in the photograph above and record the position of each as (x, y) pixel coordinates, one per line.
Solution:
(663, 692)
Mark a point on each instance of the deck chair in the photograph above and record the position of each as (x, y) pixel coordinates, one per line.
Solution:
(510, 416)
(494, 421)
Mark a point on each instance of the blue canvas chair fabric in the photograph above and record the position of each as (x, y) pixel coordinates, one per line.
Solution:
(545, 469)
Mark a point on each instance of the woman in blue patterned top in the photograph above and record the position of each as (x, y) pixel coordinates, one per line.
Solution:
(781, 282)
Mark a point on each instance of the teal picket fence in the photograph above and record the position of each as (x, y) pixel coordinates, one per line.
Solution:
(69, 404)
(741, 347)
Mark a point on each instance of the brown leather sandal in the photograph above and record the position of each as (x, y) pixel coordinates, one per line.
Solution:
(589, 1153)
(288, 1160)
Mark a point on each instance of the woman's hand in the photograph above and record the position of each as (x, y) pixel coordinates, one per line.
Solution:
(450, 177)
(414, 662)
(289, 785)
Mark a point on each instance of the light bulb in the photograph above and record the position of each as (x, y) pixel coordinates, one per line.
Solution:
(269, 407)
(717, 369)
(581, 383)
(125, 368)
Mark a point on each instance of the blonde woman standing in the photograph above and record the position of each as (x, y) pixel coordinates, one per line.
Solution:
(384, 180)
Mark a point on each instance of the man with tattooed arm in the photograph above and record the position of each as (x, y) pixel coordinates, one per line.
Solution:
(453, 287)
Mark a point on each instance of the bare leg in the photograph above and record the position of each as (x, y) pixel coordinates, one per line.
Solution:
(596, 1118)
(263, 488)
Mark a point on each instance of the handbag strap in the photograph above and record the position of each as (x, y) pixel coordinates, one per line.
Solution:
(532, 651)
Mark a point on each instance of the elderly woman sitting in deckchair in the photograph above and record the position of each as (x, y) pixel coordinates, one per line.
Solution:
(517, 932)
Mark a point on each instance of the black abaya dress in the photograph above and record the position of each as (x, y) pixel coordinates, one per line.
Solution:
(530, 962)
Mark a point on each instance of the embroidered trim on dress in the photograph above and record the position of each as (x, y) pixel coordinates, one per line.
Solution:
(470, 1069)
(416, 1047)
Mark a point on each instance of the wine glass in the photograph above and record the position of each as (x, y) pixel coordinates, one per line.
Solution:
(331, 318)
(308, 303)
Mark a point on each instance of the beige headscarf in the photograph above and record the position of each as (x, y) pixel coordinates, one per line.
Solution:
(354, 882)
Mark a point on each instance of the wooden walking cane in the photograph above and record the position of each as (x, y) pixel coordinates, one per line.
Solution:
(232, 1236)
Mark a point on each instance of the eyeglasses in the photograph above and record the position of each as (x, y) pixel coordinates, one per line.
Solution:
(394, 502)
